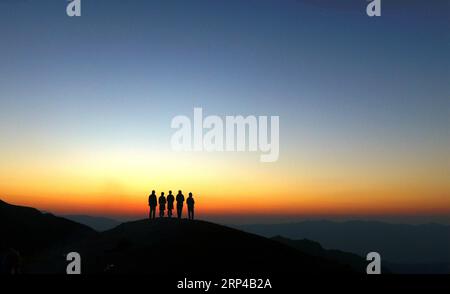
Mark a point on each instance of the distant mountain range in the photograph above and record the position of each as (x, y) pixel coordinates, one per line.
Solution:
(99, 224)
(405, 248)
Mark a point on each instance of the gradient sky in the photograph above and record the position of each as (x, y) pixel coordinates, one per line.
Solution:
(364, 105)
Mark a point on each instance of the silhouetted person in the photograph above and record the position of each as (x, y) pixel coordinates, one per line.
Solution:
(180, 200)
(170, 200)
(152, 202)
(162, 204)
(190, 204)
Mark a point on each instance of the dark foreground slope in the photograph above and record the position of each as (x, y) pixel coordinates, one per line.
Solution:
(30, 231)
(187, 247)
(161, 246)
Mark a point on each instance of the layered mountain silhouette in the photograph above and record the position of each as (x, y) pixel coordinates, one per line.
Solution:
(152, 246)
(313, 248)
(97, 223)
(404, 248)
(395, 242)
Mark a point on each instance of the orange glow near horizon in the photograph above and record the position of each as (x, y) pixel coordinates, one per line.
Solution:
(209, 202)
(86, 109)
(118, 183)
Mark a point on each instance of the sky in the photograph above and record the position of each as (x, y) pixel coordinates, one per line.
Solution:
(364, 104)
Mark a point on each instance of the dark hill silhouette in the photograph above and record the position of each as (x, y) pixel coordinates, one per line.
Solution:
(29, 231)
(161, 246)
(188, 247)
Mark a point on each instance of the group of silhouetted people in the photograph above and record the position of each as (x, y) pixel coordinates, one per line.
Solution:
(153, 201)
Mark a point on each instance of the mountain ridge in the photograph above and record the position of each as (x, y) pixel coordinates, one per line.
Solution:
(397, 243)
(97, 223)
(29, 230)
(151, 246)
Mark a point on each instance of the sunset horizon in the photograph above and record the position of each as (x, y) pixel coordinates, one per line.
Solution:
(226, 144)
(362, 131)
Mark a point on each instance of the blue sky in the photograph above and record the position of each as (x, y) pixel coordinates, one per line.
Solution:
(290, 57)
(340, 81)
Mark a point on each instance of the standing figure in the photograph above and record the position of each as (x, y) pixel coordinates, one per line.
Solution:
(170, 200)
(190, 204)
(180, 201)
(152, 203)
(162, 204)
